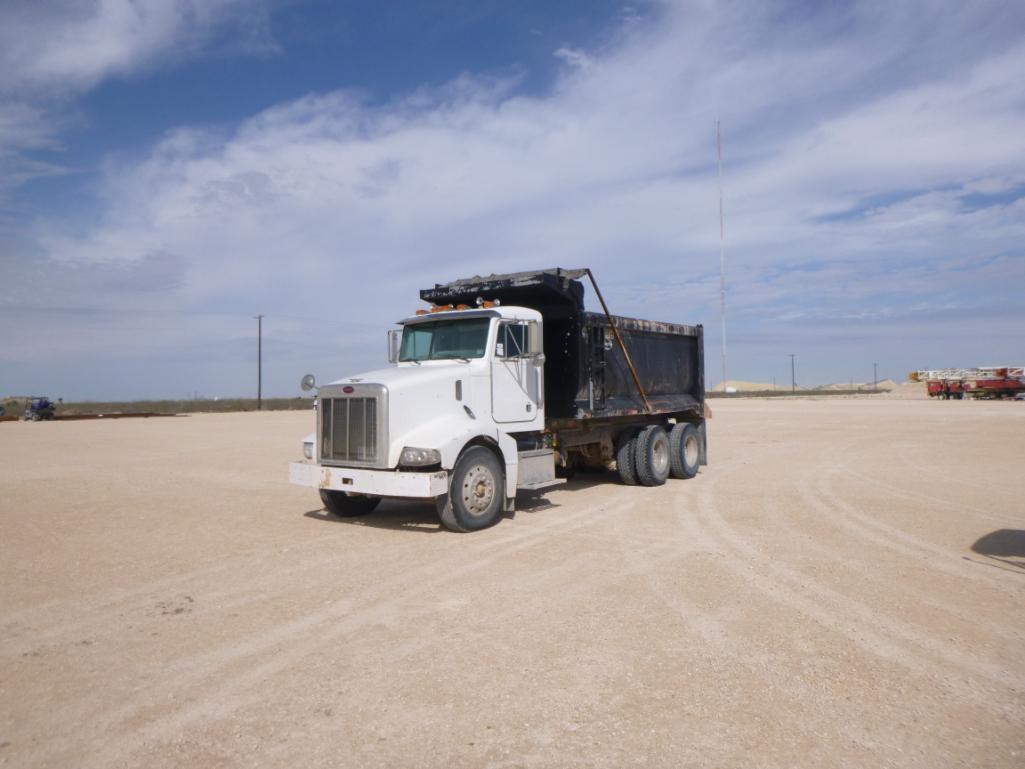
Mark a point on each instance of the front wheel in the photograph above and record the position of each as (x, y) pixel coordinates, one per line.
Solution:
(344, 506)
(476, 491)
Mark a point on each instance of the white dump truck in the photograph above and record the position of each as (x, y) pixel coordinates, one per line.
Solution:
(506, 384)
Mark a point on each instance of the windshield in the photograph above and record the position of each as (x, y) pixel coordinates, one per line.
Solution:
(443, 339)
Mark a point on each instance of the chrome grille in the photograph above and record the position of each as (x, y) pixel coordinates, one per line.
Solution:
(349, 430)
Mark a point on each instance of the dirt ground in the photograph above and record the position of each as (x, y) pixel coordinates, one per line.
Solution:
(844, 585)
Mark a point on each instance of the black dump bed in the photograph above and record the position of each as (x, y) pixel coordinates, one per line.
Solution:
(586, 374)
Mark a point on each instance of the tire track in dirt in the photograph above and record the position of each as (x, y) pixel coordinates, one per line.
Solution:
(819, 497)
(866, 574)
(108, 619)
(581, 576)
(692, 540)
(876, 634)
(957, 480)
(56, 613)
(243, 688)
(301, 636)
(893, 538)
(931, 501)
(72, 621)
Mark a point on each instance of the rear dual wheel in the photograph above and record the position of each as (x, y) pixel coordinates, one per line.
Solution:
(643, 456)
(651, 456)
(684, 450)
(626, 451)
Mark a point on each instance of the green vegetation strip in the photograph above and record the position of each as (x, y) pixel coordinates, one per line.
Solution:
(15, 407)
(199, 406)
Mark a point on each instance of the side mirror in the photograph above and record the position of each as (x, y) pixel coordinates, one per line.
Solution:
(535, 343)
(308, 382)
(394, 342)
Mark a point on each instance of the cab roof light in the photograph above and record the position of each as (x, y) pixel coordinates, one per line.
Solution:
(421, 312)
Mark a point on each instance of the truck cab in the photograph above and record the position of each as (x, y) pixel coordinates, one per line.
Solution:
(461, 378)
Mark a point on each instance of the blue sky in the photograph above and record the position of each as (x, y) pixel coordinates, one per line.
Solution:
(170, 169)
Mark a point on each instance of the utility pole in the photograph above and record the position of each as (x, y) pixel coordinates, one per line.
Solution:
(259, 362)
(875, 376)
(793, 378)
(722, 255)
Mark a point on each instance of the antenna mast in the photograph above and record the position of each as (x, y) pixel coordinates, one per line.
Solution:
(722, 256)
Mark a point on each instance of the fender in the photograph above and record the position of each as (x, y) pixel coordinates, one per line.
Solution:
(451, 433)
(509, 454)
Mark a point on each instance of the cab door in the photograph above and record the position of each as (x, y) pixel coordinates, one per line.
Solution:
(516, 376)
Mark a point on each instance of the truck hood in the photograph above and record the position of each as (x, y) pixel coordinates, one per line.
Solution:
(422, 406)
(404, 378)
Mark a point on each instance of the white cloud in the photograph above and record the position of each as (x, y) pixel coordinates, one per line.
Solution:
(71, 46)
(573, 57)
(54, 50)
(330, 208)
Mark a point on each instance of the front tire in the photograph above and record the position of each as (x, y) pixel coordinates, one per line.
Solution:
(344, 506)
(476, 492)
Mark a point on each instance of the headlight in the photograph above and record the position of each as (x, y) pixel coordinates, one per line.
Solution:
(415, 456)
(308, 449)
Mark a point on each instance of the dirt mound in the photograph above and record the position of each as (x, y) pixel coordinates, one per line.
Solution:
(910, 391)
(884, 384)
(741, 385)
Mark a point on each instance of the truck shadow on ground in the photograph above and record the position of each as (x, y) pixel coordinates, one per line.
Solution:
(398, 514)
(1004, 545)
(422, 516)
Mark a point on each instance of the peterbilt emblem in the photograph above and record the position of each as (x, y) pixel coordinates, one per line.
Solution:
(347, 389)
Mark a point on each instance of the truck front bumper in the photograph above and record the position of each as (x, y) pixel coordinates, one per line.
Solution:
(379, 483)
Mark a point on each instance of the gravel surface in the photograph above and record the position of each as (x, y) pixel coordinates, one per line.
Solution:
(842, 586)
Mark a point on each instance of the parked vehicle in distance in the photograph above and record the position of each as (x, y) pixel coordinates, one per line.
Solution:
(978, 383)
(40, 409)
(506, 383)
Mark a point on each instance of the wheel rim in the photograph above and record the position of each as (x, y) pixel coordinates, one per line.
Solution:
(690, 451)
(478, 490)
(660, 456)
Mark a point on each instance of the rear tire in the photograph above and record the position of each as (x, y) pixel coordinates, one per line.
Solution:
(652, 456)
(476, 492)
(341, 504)
(684, 451)
(626, 464)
